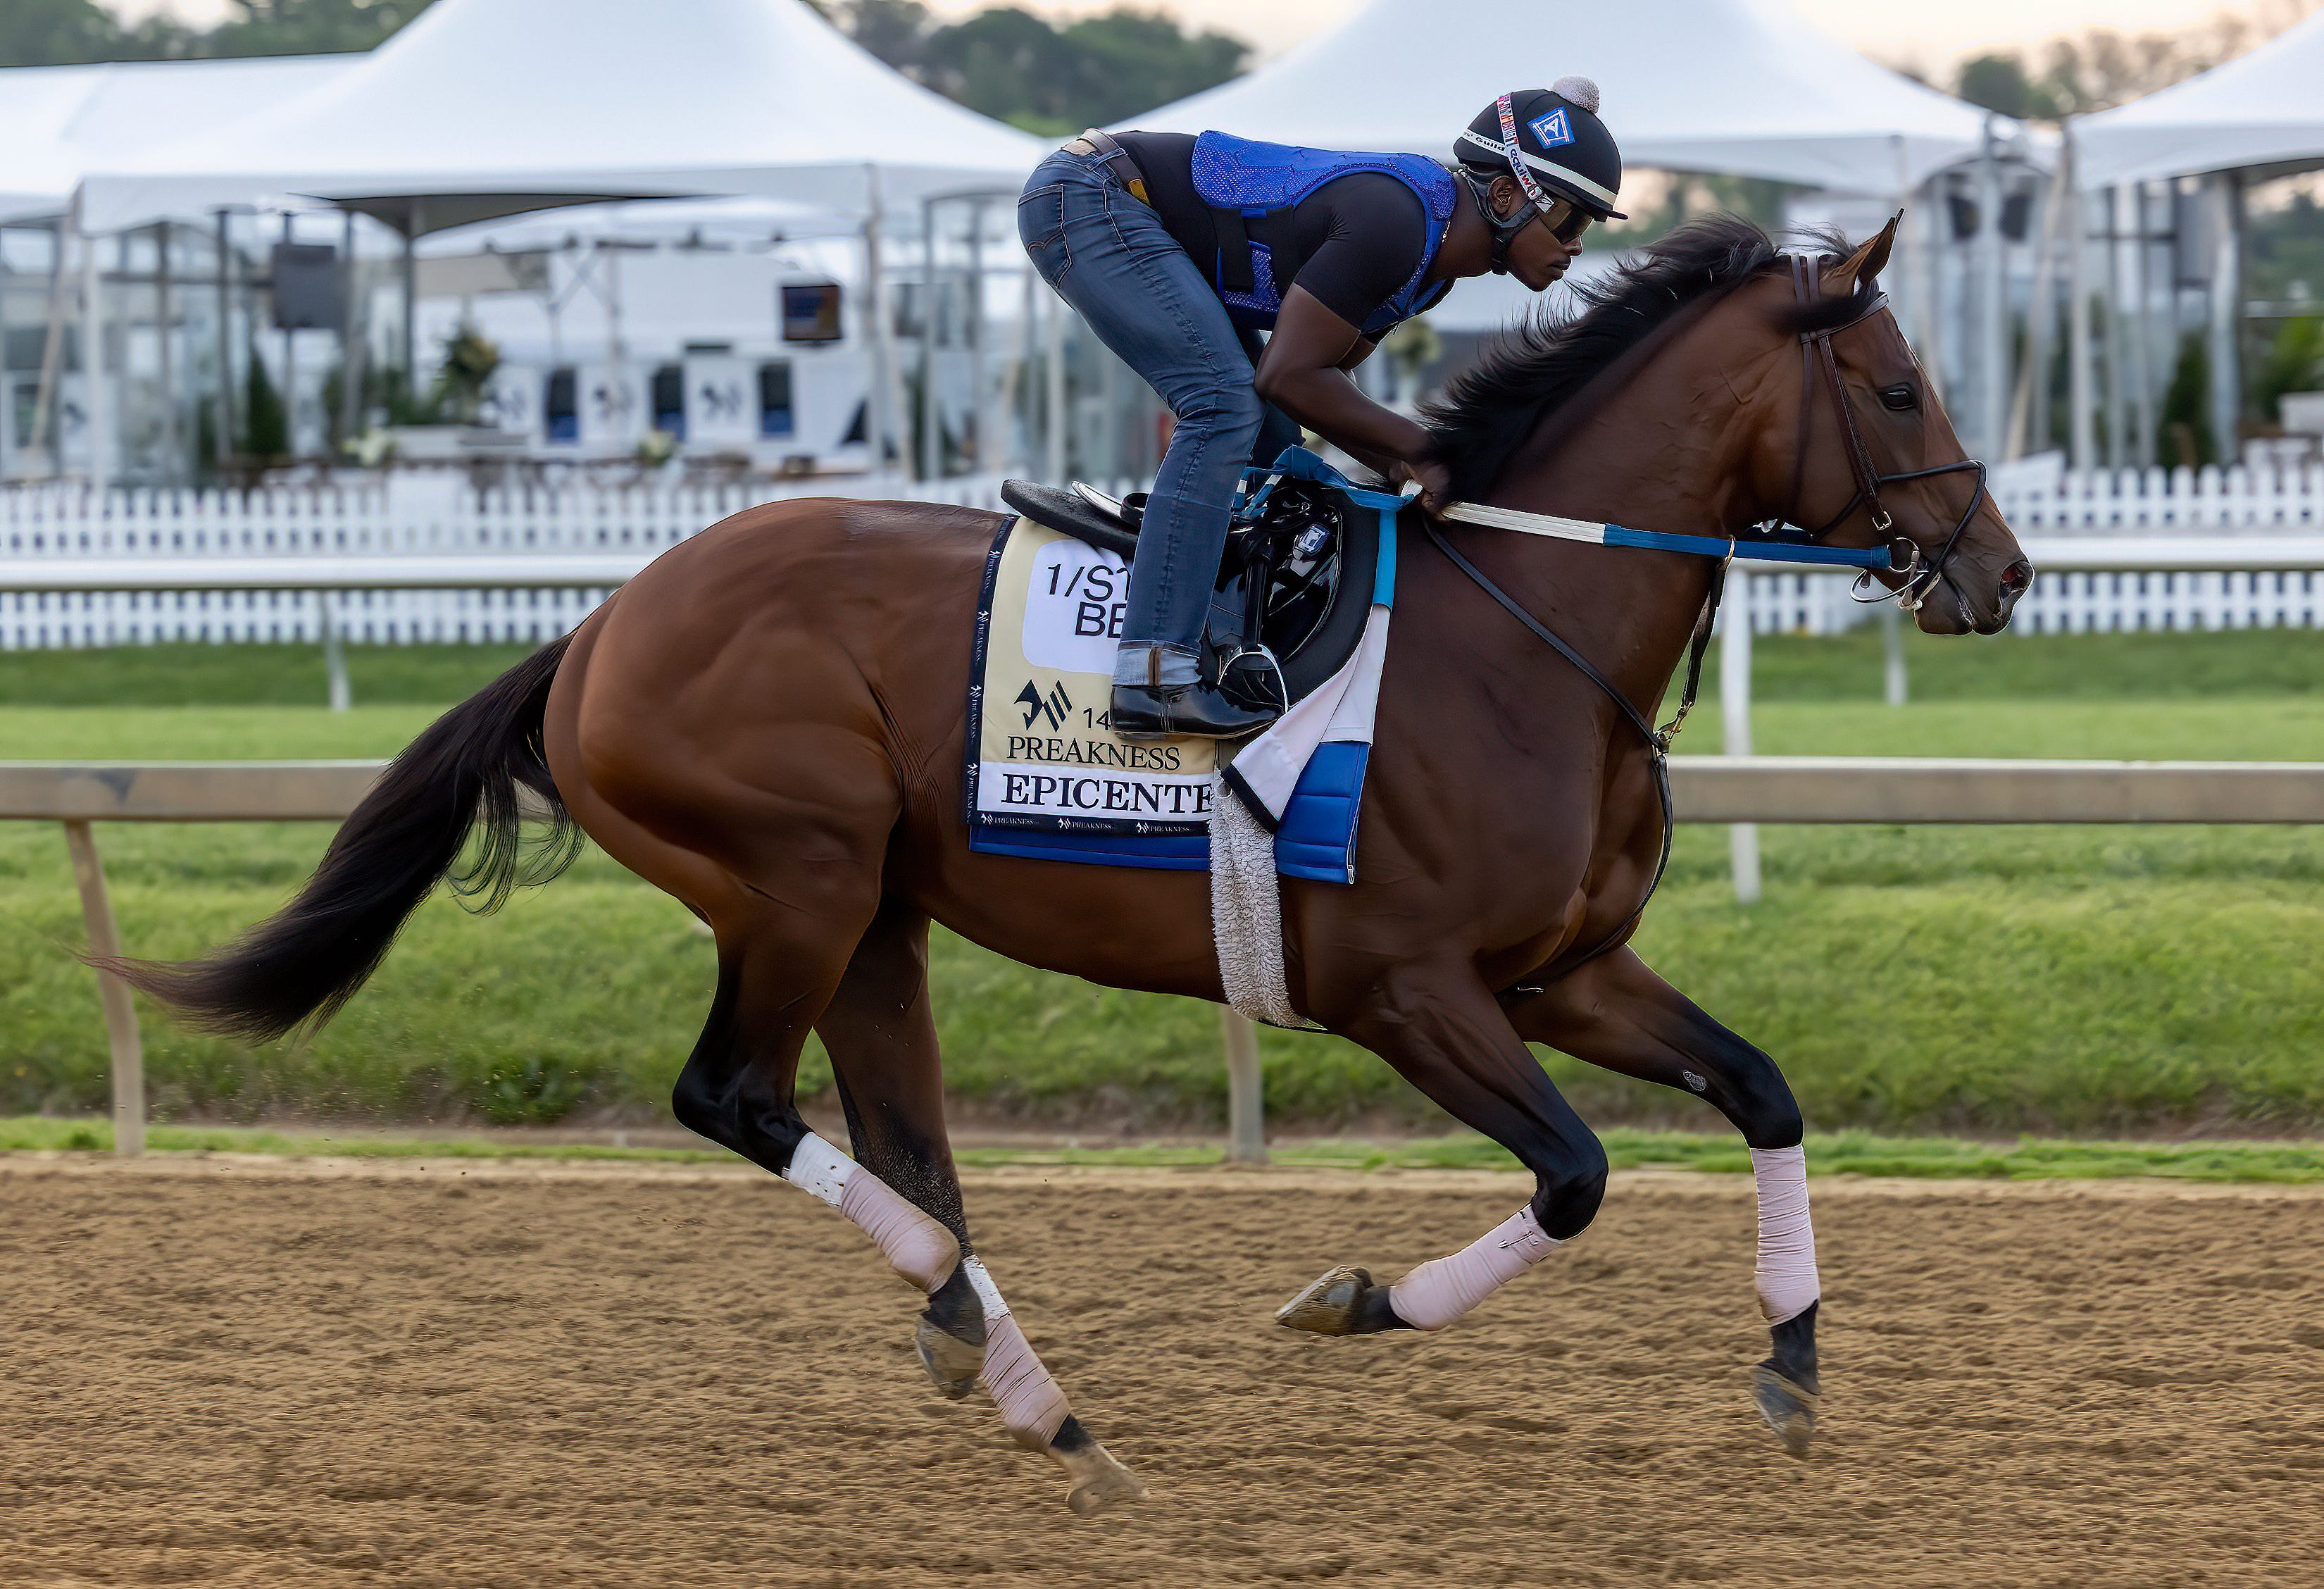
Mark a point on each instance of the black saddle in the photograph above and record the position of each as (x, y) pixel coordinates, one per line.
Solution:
(1301, 576)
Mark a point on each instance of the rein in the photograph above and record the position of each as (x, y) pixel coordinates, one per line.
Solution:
(1919, 578)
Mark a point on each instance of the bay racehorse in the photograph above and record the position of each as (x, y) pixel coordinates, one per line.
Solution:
(767, 723)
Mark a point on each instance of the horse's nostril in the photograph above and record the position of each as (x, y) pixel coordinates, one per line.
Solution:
(2016, 577)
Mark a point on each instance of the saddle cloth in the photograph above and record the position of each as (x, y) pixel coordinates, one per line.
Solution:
(1046, 779)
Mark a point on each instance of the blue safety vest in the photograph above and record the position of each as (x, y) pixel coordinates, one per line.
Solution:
(1241, 179)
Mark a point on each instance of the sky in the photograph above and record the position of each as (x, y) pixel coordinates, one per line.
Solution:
(1928, 34)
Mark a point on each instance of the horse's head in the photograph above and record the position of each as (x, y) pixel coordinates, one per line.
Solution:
(1854, 445)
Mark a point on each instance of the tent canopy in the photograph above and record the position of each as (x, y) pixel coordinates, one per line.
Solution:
(2263, 109)
(525, 99)
(1739, 86)
(58, 123)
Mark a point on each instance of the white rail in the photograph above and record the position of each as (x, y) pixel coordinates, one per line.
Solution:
(72, 527)
(1704, 788)
(2118, 550)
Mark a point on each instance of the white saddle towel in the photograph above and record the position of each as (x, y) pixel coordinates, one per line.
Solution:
(1247, 912)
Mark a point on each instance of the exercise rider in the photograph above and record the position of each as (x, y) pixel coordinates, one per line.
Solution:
(1178, 251)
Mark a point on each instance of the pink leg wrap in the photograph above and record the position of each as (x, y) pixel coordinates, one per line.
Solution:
(1031, 1405)
(915, 1246)
(1443, 1289)
(1786, 1271)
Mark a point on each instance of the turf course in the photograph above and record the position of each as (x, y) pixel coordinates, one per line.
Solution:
(2045, 980)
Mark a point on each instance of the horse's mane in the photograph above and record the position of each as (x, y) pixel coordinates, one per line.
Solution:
(1489, 410)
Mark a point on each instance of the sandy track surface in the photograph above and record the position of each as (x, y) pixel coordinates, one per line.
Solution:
(252, 1374)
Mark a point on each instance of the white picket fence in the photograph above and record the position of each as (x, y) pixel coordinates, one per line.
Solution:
(443, 517)
(431, 518)
(2039, 498)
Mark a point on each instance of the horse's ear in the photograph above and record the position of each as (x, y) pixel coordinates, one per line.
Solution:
(1859, 269)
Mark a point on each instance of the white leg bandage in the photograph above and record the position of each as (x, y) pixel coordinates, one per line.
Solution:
(1443, 1289)
(1786, 1271)
(915, 1246)
(1031, 1405)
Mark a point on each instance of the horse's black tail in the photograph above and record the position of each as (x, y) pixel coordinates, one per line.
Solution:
(469, 770)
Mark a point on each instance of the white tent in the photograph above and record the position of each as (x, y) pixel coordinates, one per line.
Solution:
(2265, 109)
(1739, 86)
(484, 107)
(58, 123)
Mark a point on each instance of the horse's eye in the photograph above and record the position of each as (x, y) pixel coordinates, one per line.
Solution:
(1900, 397)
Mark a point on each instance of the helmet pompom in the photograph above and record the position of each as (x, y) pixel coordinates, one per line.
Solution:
(1578, 90)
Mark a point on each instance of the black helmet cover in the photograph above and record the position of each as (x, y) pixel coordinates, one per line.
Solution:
(1551, 142)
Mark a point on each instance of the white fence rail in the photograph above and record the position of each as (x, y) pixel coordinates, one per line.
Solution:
(1704, 788)
(2038, 498)
(2254, 516)
(71, 526)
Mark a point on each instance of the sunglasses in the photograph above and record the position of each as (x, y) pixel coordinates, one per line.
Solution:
(1566, 220)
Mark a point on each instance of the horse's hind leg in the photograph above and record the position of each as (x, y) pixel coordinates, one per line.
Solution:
(1616, 1012)
(881, 1033)
(1441, 1029)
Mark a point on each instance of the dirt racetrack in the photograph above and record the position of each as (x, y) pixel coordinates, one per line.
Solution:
(303, 1377)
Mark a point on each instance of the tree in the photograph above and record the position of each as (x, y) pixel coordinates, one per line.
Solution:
(309, 27)
(1998, 83)
(1012, 64)
(56, 33)
(894, 31)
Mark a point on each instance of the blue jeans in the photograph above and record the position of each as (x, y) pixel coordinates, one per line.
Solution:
(1109, 257)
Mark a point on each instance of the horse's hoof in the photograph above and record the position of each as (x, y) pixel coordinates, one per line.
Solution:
(1099, 1481)
(1788, 1406)
(1332, 1305)
(952, 1364)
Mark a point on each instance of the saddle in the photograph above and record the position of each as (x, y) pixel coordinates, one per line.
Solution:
(1294, 586)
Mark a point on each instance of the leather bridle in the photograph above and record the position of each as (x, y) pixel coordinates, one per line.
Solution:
(1816, 354)
(1919, 578)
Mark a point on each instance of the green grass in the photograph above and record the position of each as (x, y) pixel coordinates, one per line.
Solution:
(248, 675)
(2006, 667)
(1972, 980)
(1834, 1153)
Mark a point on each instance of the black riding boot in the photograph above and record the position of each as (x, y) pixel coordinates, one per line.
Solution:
(1159, 711)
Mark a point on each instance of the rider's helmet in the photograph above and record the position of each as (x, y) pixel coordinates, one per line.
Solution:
(1551, 142)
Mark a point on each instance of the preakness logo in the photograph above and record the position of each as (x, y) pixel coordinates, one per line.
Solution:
(1053, 705)
(1552, 129)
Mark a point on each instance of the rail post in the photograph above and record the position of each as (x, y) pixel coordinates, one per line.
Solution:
(335, 651)
(1246, 1100)
(1892, 647)
(120, 1013)
(1735, 711)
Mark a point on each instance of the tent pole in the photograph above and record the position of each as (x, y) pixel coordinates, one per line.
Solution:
(1921, 256)
(411, 305)
(1027, 339)
(2137, 330)
(2227, 316)
(1052, 409)
(2083, 428)
(2118, 342)
(44, 402)
(1993, 305)
(95, 395)
(172, 459)
(351, 343)
(2029, 414)
(931, 447)
(880, 426)
(978, 373)
(290, 361)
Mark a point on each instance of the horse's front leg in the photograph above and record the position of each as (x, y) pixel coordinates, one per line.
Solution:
(1438, 1026)
(1616, 1014)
